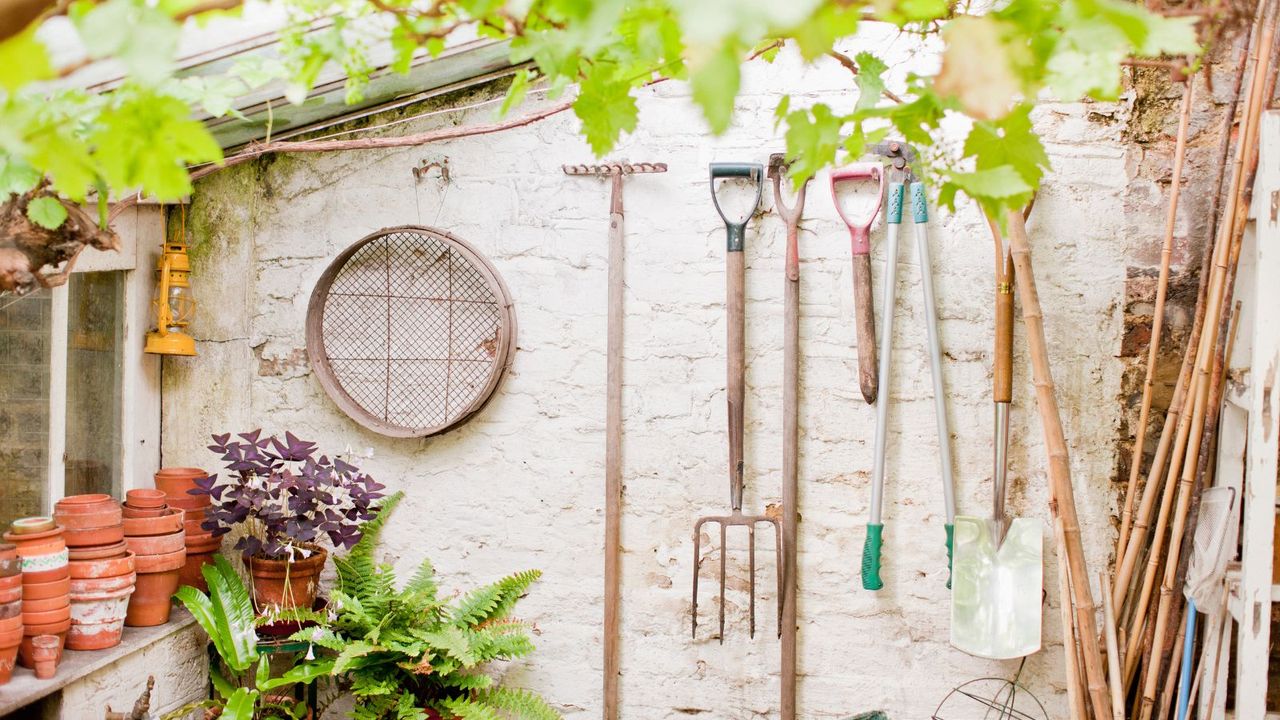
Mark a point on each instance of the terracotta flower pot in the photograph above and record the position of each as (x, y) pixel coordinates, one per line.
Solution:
(49, 569)
(10, 567)
(200, 552)
(104, 568)
(8, 658)
(97, 619)
(90, 503)
(160, 563)
(169, 522)
(90, 586)
(87, 511)
(36, 542)
(8, 551)
(100, 552)
(11, 624)
(284, 583)
(42, 606)
(145, 498)
(45, 651)
(157, 544)
(149, 604)
(10, 582)
(178, 480)
(48, 617)
(11, 595)
(93, 537)
(11, 637)
(10, 610)
(25, 658)
(31, 526)
(196, 503)
(42, 590)
(131, 512)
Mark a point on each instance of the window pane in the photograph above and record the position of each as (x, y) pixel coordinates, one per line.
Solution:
(24, 403)
(95, 307)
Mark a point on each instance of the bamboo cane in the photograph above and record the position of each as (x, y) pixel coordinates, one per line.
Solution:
(1059, 466)
(1075, 694)
(1157, 320)
(1113, 651)
(1171, 680)
(1233, 222)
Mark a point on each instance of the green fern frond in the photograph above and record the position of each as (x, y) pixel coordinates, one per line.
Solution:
(467, 681)
(513, 587)
(321, 637)
(358, 574)
(468, 709)
(421, 588)
(517, 703)
(454, 642)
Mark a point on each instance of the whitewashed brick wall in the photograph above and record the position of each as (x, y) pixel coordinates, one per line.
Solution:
(522, 485)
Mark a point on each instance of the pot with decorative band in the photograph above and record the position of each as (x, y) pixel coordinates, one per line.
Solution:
(33, 564)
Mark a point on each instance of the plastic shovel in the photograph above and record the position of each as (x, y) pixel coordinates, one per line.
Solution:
(998, 566)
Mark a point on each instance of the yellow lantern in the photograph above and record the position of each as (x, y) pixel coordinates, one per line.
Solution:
(174, 303)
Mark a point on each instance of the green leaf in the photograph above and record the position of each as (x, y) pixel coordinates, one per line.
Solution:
(1170, 36)
(353, 650)
(142, 37)
(46, 212)
(232, 615)
(813, 136)
(870, 80)
(780, 112)
(516, 93)
(24, 59)
(16, 175)
(832, 21)
(715, 83)
(220, 683)
(607, 109)
(978, 66)
(241, 705)
(304, 673)
(1011, 141)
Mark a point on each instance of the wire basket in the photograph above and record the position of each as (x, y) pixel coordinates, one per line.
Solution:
(410, 331)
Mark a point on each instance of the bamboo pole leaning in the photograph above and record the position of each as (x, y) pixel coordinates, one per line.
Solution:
(1070, 655)
(1059, 470)
(1231, 233)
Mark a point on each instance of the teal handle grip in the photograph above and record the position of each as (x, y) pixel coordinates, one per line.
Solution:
(871, 557)
(894, 215)
(951, 536)
(919, 206)
(755, 171)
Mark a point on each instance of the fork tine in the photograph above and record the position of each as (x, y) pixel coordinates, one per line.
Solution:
(697, 565)
(777, 549)
(723, 555)
(751, 554)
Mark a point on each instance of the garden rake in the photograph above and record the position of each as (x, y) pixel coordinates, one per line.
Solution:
(735, 270)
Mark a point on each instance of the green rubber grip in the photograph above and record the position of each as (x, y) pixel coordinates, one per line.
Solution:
(894, 215)
(919, 206)
(871, 557)
(951, 536)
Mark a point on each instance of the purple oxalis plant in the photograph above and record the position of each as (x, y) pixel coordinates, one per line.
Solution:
(286, 495)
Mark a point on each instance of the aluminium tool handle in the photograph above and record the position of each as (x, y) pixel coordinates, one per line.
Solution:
(735, 272)
(736, 231)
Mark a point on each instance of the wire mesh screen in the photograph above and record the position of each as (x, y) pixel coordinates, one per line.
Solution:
(410, 331)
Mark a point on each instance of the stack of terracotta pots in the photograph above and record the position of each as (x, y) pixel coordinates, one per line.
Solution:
(176, 483)
(46, 582)
(101, 569)
(154, 533)
(10, 609)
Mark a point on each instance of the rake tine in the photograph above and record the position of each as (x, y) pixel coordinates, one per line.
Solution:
(723, 556)
(751, 553)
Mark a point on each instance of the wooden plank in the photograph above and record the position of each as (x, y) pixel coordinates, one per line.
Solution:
(140, 382)
(57, 437)
(1254, 630)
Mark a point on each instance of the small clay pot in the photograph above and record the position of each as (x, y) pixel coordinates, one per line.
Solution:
(31, 526)
(157, 544)
(45, 576)
(190, 502)
(37, 543)
(104, 511)
(160, 563)
(8, 658)
(25, 658)
(169, 522)
(45, 617)
(93, 537)
(131, 512)
(11, 581)
(104, 568)
(12, 618)
(45, 605)
(178, 480)
(53, 588)
(89, 586)
(97, 619)
(203, 542)
(98, 553)
(90, 503)
(11, 595)
(11, 637)
(149, 604)
(8, 551)
(45, 652)
(145, 498)
(11, 609)
(200, 552)
(286, 584)
(193, 528)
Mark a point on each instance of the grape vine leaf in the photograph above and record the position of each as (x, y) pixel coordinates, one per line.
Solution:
(46, 212)
(16, 176)
(23, 59)
(715, 81)
(606, 108)
(1011, 141)
(870, 80)
(976, 67)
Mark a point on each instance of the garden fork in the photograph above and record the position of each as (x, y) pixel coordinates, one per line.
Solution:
(735, 269)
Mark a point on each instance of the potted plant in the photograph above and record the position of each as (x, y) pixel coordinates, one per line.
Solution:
(289, 499)
(405, 652)
(242, 678)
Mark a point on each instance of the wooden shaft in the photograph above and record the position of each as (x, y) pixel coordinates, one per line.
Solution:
(1157, 320)
(1059, 466)
(790, 484)
(735, 387)
(1114, 681)
(864, 319)
(1075, 696)
(1002, 363)
(613, 457)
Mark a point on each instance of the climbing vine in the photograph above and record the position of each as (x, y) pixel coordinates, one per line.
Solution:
(62, 142)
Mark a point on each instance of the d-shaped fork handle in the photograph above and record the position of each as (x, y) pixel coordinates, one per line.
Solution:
(859, 228)
(736, 231)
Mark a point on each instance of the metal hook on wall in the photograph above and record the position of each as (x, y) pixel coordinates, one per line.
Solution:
(424, 167)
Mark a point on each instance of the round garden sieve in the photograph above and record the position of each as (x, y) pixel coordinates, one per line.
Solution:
(410, 330)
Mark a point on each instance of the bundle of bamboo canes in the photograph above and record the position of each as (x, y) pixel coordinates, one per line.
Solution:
(1147, 621)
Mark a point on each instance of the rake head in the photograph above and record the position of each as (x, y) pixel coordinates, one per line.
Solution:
(735, 519)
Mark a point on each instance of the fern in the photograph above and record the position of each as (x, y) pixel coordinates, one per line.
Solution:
(517, 703)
